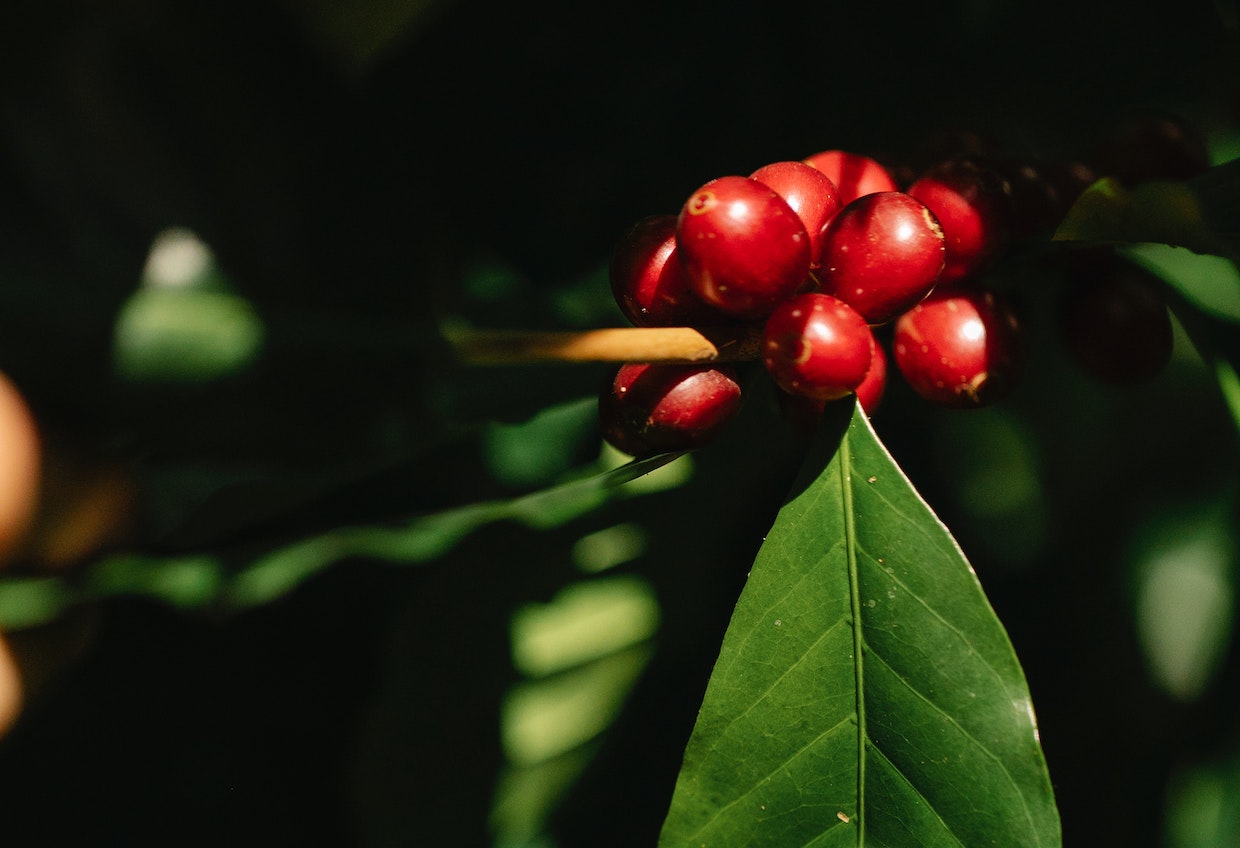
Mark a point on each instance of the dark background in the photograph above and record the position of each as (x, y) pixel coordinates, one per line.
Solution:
(349, 168)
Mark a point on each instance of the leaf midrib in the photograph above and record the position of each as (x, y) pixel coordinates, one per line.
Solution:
(854, 589)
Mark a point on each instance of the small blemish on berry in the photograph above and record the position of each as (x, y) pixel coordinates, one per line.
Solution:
(702, 202)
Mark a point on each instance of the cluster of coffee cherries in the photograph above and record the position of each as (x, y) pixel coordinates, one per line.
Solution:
(820, 252)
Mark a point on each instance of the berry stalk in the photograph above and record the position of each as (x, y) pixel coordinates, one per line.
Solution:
(684, 345)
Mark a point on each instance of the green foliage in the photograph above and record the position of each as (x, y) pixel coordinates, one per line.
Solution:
(865, 692)
(231, 580)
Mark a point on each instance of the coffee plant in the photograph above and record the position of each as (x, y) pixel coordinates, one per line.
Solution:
(492, 425)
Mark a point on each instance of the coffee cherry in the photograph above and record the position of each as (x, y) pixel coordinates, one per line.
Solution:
(1152, 146)
(817, 346)
(649, 282)
(854, 175)
(1036, 207)
(973, 206)
(870, 392)
(809, 192)
(959, 349)
(1114, 318)
(743, 247)
(647, 409)
(882, 254)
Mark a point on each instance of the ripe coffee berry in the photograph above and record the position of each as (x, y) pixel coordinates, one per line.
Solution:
(817, 346)
(1036, 207)
(809, 192)
(743, 247)
(804, 413)
(854, 175)
(959, 349)
(647, 409)
(1114, 318)
(649, 282)
(882, 254)
(870, 392)
(973, 206)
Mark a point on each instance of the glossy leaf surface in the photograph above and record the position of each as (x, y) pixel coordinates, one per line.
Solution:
(865, 694)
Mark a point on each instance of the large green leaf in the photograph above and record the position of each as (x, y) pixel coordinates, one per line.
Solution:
(865, 694)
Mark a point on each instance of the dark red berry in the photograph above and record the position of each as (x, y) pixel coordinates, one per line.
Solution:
(974, 208)
(959, 348)
(854, 175)
(817, 346)
(809, 192)
(647, 409)
(870, 392)
(743, 247)
(882, 254)
(649, 282)
(804, 413)
(1036, 207)
(1070, 179)
(1152, 146)
(1114, 318)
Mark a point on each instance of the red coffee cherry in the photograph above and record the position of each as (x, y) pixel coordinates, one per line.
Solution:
(817, 346)
(1114, 318)
(809, 192)
(959, 348)
(647, 409)
(882, 254)
(1036, 207)
(649, 282)
(803, 413)
(974, 208)
(743, 247)
(854, 175)
(874, 386)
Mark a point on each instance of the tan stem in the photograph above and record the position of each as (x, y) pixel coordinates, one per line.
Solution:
(629, 344)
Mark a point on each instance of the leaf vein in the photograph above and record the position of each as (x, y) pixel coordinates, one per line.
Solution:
(953, 628)
(758, 784)
(967, 735)
(895, 770)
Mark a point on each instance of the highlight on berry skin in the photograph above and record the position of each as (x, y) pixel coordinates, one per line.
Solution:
(882, 254)
(744, 252)
(854, 175)
(810, 193)
(960, 348)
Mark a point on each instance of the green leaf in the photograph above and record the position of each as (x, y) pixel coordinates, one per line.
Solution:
(1201, 214)
(865, 694)
(205, 579)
